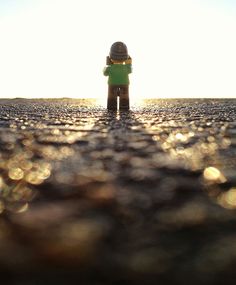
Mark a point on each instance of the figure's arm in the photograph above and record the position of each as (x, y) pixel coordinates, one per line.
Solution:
(106, 70)
(128, 64)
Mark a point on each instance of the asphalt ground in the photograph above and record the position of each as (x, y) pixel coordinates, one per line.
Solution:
(91, 196)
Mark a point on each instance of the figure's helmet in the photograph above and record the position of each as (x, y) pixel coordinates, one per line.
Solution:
(119, 51)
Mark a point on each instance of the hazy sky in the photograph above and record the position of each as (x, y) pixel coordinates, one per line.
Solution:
(57, 48)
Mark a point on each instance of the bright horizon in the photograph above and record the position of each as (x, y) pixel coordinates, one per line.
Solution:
(56, 48)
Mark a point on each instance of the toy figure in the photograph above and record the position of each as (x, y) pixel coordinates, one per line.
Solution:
(118, 69)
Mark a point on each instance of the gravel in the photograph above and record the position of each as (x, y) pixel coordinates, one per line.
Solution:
(90, 196)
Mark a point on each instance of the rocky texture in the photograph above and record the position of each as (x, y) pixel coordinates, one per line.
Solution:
(97, 197)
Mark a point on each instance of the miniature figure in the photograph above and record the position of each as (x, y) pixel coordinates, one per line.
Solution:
(119, 65)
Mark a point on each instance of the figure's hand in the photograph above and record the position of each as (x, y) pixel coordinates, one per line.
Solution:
(108, 60)
(129, 60)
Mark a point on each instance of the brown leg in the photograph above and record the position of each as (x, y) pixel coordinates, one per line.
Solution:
(124, 97)
(112, 98)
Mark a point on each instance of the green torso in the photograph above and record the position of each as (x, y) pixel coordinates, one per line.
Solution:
(118, 74)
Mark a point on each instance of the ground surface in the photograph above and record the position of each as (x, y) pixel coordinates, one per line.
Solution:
(89, 196)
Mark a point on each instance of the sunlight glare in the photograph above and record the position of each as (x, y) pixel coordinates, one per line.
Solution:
(58, 49)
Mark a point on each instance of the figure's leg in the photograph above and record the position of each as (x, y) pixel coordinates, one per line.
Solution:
(112, 98)
(124, 98)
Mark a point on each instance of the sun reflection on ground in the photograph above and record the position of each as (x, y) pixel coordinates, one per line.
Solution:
(80, 184)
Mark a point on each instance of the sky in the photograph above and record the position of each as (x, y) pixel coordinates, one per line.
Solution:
(58, 48)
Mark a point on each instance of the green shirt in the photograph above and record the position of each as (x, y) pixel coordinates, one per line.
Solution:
(118, 74)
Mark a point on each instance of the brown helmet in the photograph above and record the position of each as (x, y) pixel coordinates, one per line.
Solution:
(119, 51)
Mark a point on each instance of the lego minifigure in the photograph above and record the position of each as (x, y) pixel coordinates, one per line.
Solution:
(119, 66)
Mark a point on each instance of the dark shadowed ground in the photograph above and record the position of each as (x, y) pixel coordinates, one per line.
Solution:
(94, 197)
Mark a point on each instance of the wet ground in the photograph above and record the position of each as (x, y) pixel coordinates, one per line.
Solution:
(89, 196)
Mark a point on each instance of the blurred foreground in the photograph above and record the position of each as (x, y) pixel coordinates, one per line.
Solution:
(89, 196)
